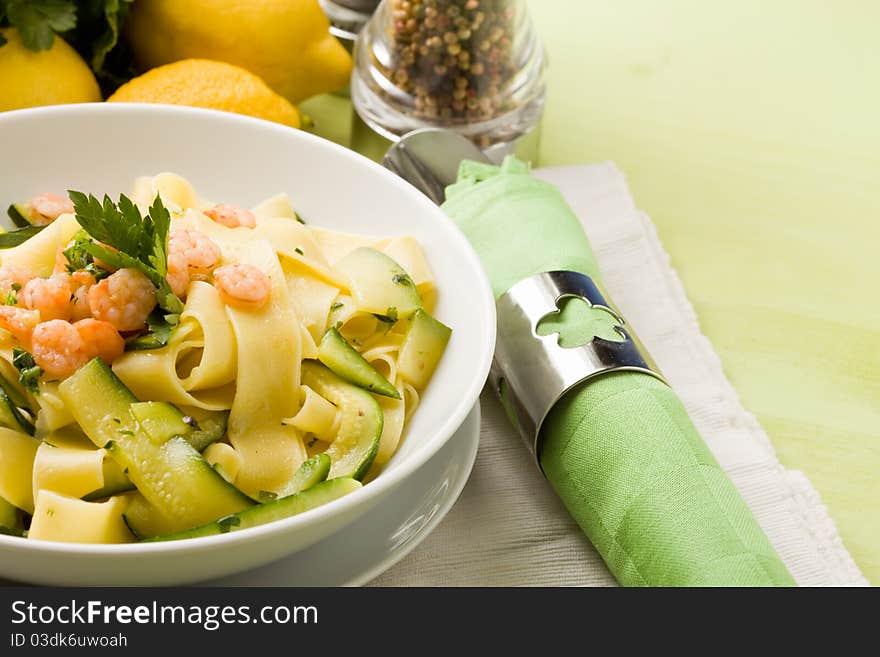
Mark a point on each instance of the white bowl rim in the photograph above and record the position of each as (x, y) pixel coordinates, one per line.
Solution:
(374, 489)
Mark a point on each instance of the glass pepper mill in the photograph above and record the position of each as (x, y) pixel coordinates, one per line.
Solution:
(473, 66)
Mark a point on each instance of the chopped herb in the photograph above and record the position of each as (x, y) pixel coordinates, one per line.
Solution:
(402, 279)
(267, 496)
(228, 522)
(298, 218)
(79, 259)
(299, 251)
(337, 325)
(160, 326)
(126, 432)
(129, 239)
(117, 420)
(312, 441)
(189, 420)
(77, 256)
(11, 299)
(16, 286)
(390, 316)
(28, 371)
(50, 512)
(336, 306)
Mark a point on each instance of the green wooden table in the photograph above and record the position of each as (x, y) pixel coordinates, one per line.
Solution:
(750, 133)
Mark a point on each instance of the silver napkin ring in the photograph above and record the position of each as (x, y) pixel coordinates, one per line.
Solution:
(532, 371)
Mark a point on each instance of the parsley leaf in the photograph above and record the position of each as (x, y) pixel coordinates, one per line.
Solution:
(100, 23)
(129, 239)
(38, 20)
(159, 330)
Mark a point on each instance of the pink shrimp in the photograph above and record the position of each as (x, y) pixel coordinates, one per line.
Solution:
(48, 207)
(124, 299)
(100, 339)
(58, 348)
(201, 252)
(51, 296)
(80, 283)
(242, 286)
(178, 274)
(20, 322)
(13, 279)
(232, 216)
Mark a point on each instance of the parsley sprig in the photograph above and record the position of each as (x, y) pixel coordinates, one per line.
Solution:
(129, 240)
(92, 27)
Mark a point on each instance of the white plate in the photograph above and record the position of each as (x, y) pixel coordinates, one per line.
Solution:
(387, 533)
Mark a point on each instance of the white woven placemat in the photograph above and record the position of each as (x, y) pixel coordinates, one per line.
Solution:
(508, 527)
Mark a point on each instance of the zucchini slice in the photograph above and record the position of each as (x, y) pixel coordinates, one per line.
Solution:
(422, 348)
(162, 421)
(172, 476)
(313, 471)
(356, 444)
(283, 507)
(345, 361)
(10, 414)
(378, 284)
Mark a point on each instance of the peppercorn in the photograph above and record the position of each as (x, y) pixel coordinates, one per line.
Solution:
(454, 58)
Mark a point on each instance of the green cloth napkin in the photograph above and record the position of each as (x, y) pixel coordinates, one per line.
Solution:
(620, 451)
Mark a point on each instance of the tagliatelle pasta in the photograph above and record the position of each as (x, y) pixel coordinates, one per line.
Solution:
(265, 378)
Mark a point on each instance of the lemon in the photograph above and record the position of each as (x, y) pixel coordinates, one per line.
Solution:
(49, 77)
(285, 42)
(214, 85)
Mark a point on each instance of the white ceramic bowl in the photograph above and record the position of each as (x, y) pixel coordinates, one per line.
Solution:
(101, 148)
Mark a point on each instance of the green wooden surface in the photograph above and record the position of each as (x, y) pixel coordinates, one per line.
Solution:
(750, 133)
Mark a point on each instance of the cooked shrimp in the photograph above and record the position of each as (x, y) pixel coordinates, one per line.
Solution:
(124, 299)
(20, 322)
(242, 286)
(178, 274)
(80, 283)
(58, 348)
(232, 216)
(201, 252)
(48, 207)
(13, 279)
(100, 339)
(51, 296)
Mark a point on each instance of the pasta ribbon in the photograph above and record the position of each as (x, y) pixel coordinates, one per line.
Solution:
(267, 383)
(152, 374)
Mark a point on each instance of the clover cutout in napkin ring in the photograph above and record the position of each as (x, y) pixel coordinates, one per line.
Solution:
(557, 330)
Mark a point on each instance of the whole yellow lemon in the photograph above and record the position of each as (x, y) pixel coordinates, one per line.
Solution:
(213, 85)
(48, 77)
(285, 42)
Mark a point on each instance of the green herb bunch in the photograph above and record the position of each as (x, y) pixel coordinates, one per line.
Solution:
(92, 27)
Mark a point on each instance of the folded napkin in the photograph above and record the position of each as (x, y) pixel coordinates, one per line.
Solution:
(622, 453)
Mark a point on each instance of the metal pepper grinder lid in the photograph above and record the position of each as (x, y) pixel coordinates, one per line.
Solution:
(348, 17)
